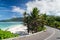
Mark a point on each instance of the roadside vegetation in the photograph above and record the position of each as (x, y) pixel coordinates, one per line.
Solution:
(35, 21)
(53, 21)
(6, 34)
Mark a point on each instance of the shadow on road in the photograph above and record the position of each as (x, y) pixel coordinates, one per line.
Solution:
(58, 37)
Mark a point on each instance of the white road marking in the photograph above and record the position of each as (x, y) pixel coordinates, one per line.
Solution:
(50, 35)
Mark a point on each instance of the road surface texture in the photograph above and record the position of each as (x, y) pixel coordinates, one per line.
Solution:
(40, 36)
(56, 35)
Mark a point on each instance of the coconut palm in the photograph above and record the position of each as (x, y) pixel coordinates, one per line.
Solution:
(26, 21)
(33, 21)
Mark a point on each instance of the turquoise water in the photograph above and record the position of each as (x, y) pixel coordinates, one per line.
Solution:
(5, 25)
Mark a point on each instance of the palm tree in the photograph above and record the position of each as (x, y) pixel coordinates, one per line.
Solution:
(33, 20)
(43, 20)
(35, 17)
(26, 21)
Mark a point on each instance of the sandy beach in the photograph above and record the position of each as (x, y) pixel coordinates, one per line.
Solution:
(19, 29)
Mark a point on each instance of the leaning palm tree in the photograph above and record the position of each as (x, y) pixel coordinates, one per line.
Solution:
(33, 21)
(26, 21)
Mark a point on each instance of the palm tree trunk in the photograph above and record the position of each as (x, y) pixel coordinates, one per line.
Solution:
(28, 28)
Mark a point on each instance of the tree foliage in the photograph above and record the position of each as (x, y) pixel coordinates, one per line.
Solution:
(53, 21)
(6, 34)
(34, 21)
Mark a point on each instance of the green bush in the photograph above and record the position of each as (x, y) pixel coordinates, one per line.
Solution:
(58, 27)
(40, 28)
(6, 34)
(44, 28)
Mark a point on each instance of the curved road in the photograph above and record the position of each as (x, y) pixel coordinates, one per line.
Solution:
(50, 34)
(56, 35)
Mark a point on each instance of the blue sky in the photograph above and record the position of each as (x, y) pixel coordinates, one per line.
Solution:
(16, 8)
(6, 8)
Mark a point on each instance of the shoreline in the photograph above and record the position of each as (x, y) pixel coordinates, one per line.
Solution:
(18, 29)
(8, 25)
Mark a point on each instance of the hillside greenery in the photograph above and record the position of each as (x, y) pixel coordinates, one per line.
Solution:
(53, 21)
(6, 34)
(13, 20)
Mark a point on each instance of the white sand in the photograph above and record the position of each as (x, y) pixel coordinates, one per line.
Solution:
(17, 28)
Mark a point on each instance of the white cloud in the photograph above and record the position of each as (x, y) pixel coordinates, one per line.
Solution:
(17, 9)
(45, 6)
(51, 7)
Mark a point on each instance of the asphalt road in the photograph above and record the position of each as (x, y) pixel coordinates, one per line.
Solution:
(56, 35)
(40, 36)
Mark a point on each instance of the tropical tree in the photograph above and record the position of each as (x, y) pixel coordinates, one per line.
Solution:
(26, 21)
(50, 20)
(43, 20)
(33, 21)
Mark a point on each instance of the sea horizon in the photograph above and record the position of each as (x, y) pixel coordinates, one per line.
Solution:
(6, 25)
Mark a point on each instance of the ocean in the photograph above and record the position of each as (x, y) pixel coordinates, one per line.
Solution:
(5, 25)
